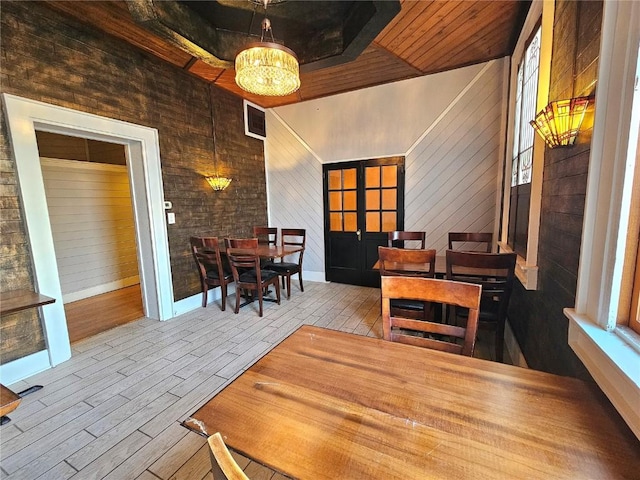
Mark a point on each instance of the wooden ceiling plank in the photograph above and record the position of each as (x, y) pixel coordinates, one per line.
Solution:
(425, 37)
(404, 21)
(480, 41)
(431, 28)
(438, 31)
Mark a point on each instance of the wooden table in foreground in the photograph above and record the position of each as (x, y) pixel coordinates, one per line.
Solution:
(330, 405)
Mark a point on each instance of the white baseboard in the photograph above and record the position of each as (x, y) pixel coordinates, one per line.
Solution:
(314, 276)
(195, 301)
(100, 289)
(24, 367)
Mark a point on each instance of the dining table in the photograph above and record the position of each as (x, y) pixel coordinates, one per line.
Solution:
(269, 251)
(325, 404)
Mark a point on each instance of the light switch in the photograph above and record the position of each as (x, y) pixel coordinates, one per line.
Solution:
(171, 218)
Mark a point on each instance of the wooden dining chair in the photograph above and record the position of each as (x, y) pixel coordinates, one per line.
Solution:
(424, 333)
(473, 241)
(388, 258)
(223, 465)
(398, 238)
(248, 275)
(495, 272)
(266, 236)
(211, 269)
(290, 237)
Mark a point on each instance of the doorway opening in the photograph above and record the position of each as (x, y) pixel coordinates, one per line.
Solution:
(24, 117)
(91, 213)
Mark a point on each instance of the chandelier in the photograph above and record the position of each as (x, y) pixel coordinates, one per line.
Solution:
(267, 68)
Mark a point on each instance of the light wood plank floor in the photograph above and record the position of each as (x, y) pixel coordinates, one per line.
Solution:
(114, 410)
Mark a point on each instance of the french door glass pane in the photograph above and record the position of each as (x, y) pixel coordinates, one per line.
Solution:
(373, 222)
(335, 179)
(390, 199)
(390, 176)
(335, 201)
(372, 177)
(335, 221)
(350, 180)
(350, 201)
(388, 221)
(373, 200)
(350, 221)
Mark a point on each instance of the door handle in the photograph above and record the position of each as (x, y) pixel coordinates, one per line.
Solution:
(359, 233)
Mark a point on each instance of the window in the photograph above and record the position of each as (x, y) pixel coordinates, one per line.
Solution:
(597, 328)
(522, 155)
(529, 87)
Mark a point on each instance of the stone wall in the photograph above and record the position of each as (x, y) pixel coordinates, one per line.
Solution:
(49, 57)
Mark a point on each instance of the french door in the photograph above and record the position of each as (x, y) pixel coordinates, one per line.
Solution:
(363, 201)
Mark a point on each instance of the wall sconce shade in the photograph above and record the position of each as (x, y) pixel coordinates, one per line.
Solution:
(559, 122)
(218, 183)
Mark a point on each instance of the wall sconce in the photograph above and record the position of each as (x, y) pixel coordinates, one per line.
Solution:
(559, 122)
(218, 183)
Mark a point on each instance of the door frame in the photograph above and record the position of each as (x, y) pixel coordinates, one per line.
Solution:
(24, 117)
(365, 276)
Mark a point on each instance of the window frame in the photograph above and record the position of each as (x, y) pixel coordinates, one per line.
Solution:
(541, 14)
(610, 351)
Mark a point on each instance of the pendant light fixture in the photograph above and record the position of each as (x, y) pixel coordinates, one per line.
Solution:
(267, 68)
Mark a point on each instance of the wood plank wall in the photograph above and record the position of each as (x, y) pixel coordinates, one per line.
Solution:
(53, 58)
(451, 166)
(536, 316)
(92, 224)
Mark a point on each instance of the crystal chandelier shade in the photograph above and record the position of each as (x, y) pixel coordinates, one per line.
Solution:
(266, 68)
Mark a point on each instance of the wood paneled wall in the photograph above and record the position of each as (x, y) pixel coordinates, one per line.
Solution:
(92, 224)
(536, 316)
(53, 58)
(448, 125)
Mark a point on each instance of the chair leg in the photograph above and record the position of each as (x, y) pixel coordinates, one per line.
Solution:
(238, 290)
(223, 287)
(278, 290)
(259, 290)
(288, 286)
(204, 296)
(300, 278)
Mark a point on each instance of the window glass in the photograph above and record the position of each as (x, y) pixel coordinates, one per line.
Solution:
(372, 177)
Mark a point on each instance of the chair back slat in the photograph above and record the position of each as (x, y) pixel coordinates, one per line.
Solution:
(398, 238)
(471, 241)
(425, 333)
(389, 256)
(266, 235)
(495, 273)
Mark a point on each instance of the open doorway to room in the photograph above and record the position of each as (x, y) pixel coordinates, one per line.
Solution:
(91, 214)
